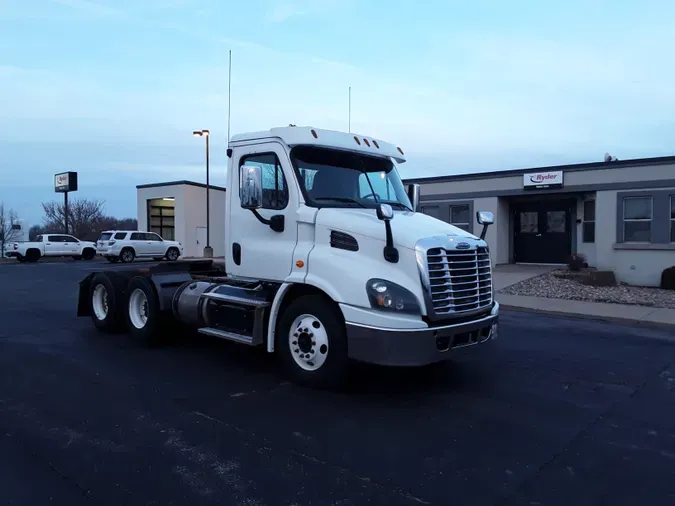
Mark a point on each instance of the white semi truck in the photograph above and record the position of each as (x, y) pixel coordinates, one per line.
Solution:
(326, 261)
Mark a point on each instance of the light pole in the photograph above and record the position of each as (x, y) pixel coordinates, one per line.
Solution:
(208, 250)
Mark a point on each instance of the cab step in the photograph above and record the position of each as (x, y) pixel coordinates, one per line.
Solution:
(230, 336)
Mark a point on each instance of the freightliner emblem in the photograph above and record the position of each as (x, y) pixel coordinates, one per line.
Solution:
(463, 245)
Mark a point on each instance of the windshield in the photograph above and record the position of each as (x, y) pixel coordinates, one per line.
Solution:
(338, 178)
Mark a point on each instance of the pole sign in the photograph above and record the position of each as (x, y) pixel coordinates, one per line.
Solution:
(536, 180)
(65, 182)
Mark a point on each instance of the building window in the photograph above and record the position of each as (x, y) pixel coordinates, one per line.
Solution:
(460, 216)
(637, 219)
(588, 225)
(274, 187)
(433, 211)
(672, 218)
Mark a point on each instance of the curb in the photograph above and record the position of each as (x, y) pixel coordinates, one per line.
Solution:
(606, 319)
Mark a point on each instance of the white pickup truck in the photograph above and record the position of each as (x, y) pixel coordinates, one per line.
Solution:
(52, 245)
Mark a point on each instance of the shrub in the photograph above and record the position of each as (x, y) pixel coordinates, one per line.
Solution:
(577, 261)
(668, 278)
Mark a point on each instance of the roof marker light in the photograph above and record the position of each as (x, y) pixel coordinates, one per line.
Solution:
(400, 151)
(357, 140)
(314, 134)
(376, 144)
(366, 141)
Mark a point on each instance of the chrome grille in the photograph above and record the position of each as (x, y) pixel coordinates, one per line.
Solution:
(459, 281)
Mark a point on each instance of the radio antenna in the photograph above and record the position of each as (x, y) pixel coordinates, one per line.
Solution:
(229, 96)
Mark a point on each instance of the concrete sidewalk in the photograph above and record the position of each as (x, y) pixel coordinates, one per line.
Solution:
(648, 316)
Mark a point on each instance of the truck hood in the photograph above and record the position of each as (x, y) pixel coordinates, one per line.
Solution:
(406, 227)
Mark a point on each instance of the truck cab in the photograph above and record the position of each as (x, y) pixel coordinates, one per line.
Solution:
(328, 260)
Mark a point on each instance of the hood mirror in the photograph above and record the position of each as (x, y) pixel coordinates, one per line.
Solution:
(486, 219)
(385, 212)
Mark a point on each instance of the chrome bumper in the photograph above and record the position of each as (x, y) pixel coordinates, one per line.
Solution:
(415, 347)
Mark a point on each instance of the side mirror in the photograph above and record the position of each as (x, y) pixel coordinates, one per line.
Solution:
(485, 218)
(385, 212)
(250, 187)
(413, 191)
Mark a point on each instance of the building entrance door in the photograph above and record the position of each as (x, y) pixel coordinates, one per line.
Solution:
(542, 231)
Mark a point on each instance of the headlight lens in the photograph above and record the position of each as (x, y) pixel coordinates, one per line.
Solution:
(388, 296)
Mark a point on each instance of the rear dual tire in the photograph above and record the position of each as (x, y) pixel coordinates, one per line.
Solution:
(144, 319)
(105, 304)
(136, 308)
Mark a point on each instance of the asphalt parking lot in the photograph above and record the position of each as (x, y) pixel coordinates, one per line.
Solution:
(557, 412)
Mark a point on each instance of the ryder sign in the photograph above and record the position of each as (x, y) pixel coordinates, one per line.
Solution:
(552, 179)
(65, 182)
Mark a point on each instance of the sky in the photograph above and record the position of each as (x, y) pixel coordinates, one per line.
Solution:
(114, 88)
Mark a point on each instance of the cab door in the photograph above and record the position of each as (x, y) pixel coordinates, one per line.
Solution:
(55, 245)
(71, 245)
(253, 249)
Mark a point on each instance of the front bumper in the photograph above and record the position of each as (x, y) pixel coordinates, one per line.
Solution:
(416, 347)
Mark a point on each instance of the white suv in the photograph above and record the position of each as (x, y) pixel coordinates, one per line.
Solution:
(126, 245)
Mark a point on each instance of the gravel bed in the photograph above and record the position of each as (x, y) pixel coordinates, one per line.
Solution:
(552, 287)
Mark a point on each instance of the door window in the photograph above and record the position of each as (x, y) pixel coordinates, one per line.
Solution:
(529, 222)
(274, 187)
(137, 236)
(152, 237)
(556, 222)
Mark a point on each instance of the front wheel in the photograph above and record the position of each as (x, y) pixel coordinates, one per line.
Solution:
(173, 254)
(311, 341)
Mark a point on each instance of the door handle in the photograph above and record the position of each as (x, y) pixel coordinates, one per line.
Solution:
(49, 244)
(538, 235)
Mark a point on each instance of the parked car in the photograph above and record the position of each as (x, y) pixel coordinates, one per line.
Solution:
(52, 245)
(127, 245)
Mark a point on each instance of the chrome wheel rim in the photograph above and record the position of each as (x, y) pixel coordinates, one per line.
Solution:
(99, 302)
(138, 308)
(308, 342)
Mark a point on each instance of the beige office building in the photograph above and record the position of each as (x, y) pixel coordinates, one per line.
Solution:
(619, 214)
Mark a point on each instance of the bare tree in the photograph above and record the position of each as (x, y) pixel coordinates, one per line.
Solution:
(83, 215)
(10, 228)
(86, 220)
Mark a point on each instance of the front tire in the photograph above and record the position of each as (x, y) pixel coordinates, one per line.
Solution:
(105, 304)
(173, 254)
(88, 254)
(142, 312)
(311, 341)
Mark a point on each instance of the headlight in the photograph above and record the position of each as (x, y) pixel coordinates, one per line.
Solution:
(388, 296)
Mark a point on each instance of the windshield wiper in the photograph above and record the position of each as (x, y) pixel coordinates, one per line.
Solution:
(395, 204)
(346, 200)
